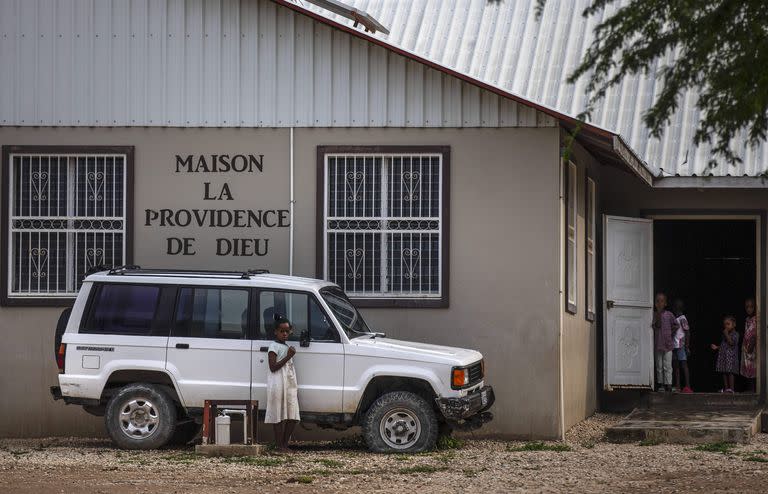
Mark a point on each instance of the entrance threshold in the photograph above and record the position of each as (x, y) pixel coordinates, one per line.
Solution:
(702, 400)
(691, 419)
(669, 425)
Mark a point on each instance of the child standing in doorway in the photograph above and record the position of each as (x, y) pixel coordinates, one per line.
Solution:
(664, 325)
(749, 346)
(728, 354)
(681, 343)
(282, 387)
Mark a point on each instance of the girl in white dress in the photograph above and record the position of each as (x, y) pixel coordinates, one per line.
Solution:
(282, 388)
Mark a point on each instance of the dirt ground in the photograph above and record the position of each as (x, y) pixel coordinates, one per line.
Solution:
(583, 463)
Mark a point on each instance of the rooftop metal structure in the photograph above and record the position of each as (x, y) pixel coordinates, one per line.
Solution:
(503, 44)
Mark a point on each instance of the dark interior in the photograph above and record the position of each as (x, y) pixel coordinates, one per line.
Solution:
(710, 265)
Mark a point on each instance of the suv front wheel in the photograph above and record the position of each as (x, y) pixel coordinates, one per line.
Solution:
(140, 416)
(400, 422)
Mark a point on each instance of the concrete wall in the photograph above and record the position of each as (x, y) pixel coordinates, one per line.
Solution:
(504, 243)
(579, 335)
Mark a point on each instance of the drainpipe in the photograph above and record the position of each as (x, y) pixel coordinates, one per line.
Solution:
(292, 201)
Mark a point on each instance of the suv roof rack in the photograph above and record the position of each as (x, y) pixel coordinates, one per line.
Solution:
(133, 270)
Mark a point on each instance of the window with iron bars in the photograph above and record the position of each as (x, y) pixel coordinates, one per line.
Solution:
(383, 225)
(66, 214)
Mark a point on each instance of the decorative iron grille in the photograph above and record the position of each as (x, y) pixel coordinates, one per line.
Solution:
(383, 224)
(67, 214)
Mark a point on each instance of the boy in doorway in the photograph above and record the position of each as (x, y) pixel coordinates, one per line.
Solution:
(681, 348)
(664, 326)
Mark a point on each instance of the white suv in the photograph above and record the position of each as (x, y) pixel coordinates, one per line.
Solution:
(145, 348)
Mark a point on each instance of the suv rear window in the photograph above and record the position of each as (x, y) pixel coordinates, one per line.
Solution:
(123, 309)
(211, 313)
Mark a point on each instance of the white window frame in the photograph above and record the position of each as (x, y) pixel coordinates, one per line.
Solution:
(70, 225)
(382, 297)
(589, 247)
(571, 238)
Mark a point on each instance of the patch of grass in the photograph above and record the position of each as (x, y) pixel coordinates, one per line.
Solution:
(401, 457)
(421, 469)
(757, 458)
(448, 442)
(470, 472)
(353, 471)
(19, 452)
(651, 441)
(183, 457)
(587, 444)
(539, 446)
(322, 472)
(259, 461)
(718, 447)
(301, 479)
(327, 462)
(349, 442)
(446, 457)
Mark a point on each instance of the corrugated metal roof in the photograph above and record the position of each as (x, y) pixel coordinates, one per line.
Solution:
(218, 64)
(502, 43)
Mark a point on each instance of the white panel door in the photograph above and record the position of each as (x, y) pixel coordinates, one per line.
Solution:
(628, 261)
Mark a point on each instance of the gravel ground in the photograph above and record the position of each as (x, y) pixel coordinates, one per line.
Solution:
(583, 463)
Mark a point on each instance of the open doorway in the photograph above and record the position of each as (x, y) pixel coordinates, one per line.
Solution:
(711, 264)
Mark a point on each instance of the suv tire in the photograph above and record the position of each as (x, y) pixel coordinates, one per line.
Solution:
(140, 416)
(400, 422)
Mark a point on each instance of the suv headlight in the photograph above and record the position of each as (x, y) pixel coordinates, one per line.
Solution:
(459, 377)
(467, 375)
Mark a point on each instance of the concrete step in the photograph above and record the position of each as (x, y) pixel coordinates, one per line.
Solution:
(686, 426)
(701, 401)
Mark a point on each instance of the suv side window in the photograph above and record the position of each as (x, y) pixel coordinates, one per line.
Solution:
(301, 309)
(211, 313)
(122, 309)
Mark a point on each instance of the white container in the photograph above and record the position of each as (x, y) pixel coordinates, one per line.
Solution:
(222, 429)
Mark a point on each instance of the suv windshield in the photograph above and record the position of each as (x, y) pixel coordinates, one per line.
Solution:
(345, 312)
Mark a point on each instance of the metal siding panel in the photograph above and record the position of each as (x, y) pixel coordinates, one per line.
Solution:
(7, 60)
(267, 110)
(508, 113)
(414, 93)
(340, 77)
(433, 106)
(286, 64)
(45, 37)
(395, 90)
(155, 78)
(102, 63)
(139, 56)
(470, 105)
(489, 109)
(323, 79)
(175, 85)
(62, 63)
(359, 83)
(377, 86)
(211, 63)
(120, 51)
(230, 63)
(303, 89)
(26, 76)
(193, 63)
(451, 101)
(249, 63)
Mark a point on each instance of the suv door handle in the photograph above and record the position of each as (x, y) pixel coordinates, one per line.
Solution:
(182, 345)
(263, 349)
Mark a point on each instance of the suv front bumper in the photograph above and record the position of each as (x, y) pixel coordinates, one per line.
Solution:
(468, 408)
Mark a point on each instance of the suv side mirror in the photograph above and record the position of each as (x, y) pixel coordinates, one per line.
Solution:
(304, 338)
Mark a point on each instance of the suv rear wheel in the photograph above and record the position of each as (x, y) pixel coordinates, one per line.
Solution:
(140, 416)
(400, 422)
